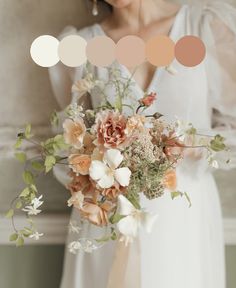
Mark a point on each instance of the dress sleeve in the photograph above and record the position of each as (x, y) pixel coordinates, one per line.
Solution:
(219, 34)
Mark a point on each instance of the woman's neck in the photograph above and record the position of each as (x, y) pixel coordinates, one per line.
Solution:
(140, 13)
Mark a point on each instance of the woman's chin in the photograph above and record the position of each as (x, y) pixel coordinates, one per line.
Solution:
(119, 4)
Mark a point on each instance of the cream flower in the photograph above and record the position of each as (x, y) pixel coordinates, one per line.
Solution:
(133, 220)
(74, 132)
(76, 200)
(84, 85)
(33, 208)
(106, 172)
(74, 247)
(36, 235)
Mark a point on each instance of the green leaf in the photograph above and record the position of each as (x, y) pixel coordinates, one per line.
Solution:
(217, 144)
(175, 194)
(116, 218)
(28, 134)
(103, 239)
(50, 161)
(54, 119)
(10, 213)
(28, 177)
(188, 199)
(18, 204)
(25, 192)
(18, 142)
(20, 241)
(37, 165)
(13, 237)
(20, 156)
(33, 188)
(59, 143)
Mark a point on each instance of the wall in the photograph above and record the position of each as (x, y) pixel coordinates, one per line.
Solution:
(26, 96)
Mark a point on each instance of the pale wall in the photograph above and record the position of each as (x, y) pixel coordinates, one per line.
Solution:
(26, 96)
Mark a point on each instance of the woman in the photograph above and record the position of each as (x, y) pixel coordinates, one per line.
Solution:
(185, 248)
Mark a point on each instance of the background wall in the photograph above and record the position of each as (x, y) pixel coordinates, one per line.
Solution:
(26, 96)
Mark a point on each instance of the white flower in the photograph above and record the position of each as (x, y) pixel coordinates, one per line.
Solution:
(74, 247)
(36, 235)
(88, 247)
(133, 220)
(73, 227)
(36, 201)
(215, 164)
(170, 69)
(106, 172)
(75, 111)
(33, 208)
(76, 200)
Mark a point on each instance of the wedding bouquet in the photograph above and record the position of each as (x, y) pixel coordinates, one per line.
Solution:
(115, 158)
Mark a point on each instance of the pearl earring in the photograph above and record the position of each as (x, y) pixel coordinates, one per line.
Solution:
(95, 8)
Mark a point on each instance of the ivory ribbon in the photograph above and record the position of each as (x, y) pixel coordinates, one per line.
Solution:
(125, 270)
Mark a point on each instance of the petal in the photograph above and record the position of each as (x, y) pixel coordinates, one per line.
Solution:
(113, 158)
(124, 207)
(97, 169)
(148, 221)
(106, 181)
(128, 226)
(122, 176)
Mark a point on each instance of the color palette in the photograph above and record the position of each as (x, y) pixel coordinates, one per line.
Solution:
(130, 51)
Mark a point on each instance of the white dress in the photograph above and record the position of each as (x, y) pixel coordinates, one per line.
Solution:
(186, 246)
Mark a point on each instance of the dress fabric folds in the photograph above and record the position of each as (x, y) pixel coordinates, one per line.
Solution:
(186, 246)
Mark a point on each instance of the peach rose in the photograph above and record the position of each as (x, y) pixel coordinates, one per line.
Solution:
(110, 127)
(97, 215)
(148, 100)
(74, 131)
(170, 180)
(80, 163)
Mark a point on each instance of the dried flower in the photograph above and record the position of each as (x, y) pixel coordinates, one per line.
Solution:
(76, 200)
(80, 163)
(96, 214)
(170, 180)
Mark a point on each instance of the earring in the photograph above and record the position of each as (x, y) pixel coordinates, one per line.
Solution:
(95, 8)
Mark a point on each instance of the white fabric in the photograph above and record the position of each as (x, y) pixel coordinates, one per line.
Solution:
(185, 248)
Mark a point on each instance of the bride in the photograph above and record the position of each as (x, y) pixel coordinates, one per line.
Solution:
(186, 246)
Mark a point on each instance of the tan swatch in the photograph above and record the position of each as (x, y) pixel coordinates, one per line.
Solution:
(160, 50)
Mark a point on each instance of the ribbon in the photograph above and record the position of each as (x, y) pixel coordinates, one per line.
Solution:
(125, 270)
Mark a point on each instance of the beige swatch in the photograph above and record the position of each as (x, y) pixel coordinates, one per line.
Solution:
(72, 51)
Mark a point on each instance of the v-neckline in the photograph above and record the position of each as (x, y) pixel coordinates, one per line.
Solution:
(158, 70)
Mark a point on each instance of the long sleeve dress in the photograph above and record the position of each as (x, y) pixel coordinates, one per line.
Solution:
(186, 246)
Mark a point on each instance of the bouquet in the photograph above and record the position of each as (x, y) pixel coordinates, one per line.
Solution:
(115, 158)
